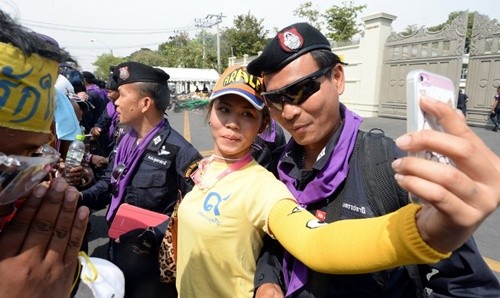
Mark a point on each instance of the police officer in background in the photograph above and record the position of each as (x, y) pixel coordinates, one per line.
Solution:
(462, 101)
(150, 169)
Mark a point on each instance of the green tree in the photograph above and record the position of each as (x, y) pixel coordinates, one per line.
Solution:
(410, 30)
(341, 21)
(148, 56)
(312, 14)
(181, 51)
(453, 15)
(103, 62)
(246, 37)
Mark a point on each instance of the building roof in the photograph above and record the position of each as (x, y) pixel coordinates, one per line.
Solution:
(191, 74)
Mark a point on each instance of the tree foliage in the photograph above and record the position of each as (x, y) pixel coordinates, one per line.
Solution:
(149, 57)
(246, 37)
(410, 30)
(453, 15)
(341, 21)
(103, 63)
(181, 51)
(312, 14)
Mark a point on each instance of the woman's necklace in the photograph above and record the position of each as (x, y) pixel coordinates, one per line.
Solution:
(199, 180)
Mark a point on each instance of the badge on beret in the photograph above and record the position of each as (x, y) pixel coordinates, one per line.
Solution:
(290, 40)
(124, 74)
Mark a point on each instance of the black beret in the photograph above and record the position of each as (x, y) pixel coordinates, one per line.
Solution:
(132, 72)
(290, 43)
(111, 84)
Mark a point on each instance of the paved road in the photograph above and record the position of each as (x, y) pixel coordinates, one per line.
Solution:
(193, 126)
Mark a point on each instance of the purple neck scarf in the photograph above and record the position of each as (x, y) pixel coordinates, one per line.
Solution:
(129, 154)
(111, 110)
(103, 94)
(324, 184)
(269, 134)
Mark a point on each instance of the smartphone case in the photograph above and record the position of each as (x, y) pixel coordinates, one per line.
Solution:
(425, 83)
(421, 82)
(129, 217)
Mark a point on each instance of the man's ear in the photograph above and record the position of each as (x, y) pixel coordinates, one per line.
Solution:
(147, 103)
(339, 77)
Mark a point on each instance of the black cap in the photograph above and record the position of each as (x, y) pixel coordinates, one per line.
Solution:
(132, 72)
(290, 43)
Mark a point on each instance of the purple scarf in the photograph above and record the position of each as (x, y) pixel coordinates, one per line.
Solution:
(129, 154)
(324, 184)
(111, 110)
(103, 94)
(269, 134)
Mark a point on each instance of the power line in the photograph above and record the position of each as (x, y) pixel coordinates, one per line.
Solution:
(82, 29)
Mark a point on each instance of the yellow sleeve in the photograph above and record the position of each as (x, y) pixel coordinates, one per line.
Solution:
(351, 246)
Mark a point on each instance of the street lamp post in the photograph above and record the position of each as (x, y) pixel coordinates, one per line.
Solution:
(109, 48)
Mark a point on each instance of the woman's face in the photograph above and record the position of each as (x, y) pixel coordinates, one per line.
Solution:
(235, 124)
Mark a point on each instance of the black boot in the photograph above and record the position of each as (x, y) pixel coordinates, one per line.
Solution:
(495, 128)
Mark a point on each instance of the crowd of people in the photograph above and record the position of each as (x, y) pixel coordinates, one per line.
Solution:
(261, 216)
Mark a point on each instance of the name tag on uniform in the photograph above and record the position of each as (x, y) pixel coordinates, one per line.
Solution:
(158, 161)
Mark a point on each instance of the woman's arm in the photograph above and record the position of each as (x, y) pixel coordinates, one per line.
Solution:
(351, 246)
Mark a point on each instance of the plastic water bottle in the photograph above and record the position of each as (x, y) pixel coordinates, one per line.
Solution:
(75, 153)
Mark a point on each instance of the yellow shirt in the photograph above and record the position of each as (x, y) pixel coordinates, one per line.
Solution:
(221, 231)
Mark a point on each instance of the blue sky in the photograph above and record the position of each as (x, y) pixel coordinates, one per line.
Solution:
(73, 23)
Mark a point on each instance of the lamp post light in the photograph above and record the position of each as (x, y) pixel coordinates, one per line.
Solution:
(109, 48)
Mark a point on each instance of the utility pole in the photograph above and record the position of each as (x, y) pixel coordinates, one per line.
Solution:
(208, 22)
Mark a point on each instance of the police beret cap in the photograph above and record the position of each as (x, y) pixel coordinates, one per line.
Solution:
(132, 72)
(290, 43)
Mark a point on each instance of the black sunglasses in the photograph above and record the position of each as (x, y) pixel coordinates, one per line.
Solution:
(296, 92)
(116, 175)
(118, 171)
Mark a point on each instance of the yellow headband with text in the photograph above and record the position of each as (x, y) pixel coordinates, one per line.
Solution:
(26, 90)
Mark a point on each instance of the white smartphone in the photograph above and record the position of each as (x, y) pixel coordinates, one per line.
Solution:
(425, 83)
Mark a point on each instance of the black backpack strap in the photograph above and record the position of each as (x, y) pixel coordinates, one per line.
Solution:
(376, 153)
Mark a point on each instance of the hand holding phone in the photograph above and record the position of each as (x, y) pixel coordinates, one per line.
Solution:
(421, 83)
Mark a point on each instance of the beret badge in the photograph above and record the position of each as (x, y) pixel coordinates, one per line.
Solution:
(290, 40)
(124, 74)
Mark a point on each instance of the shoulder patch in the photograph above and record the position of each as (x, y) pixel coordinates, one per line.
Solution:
(191, 168)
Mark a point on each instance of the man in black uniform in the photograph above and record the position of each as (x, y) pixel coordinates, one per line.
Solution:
(323, 165)
(150, 168)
